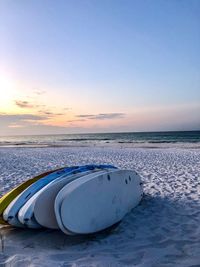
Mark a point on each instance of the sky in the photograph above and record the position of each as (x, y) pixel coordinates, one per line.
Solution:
(99, 66)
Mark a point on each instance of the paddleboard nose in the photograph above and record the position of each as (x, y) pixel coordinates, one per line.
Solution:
(14, 221)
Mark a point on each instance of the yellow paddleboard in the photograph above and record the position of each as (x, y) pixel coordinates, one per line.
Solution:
(11, 195)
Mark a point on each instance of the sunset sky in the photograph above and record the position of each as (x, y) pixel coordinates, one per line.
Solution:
(99, 66)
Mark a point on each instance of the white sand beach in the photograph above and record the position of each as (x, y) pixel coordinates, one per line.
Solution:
(163, 231)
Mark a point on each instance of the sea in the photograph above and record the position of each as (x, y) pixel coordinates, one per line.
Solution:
(132, 138)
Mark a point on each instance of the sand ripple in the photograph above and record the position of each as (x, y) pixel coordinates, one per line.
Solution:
(163, 231)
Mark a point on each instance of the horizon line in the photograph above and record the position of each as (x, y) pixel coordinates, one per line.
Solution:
(168, 131)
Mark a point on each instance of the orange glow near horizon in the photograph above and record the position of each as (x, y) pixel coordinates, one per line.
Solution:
(22, 108)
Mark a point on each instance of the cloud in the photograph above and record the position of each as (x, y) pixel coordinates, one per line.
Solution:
(43, 111)
(85, 116)
(59, 114)
(39, 92)
(79, 120)
(23, 104)
(101, 116)
(50, 113)
(46, 112)
(39, 108)
(28, 104)
(20, 119)
(15, 126)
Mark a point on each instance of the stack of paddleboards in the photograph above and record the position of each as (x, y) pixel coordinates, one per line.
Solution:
(78, 199)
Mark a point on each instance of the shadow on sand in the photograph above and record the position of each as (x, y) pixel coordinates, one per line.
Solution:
(156, 223)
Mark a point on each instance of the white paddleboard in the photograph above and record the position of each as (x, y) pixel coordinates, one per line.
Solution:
(43, 209)
(92, 204)
(11, 212)
(60, 197)
(44, 206)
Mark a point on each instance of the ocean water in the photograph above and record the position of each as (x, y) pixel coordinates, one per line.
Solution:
(154, 138)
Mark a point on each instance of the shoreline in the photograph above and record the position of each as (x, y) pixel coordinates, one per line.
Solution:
(121, 145)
